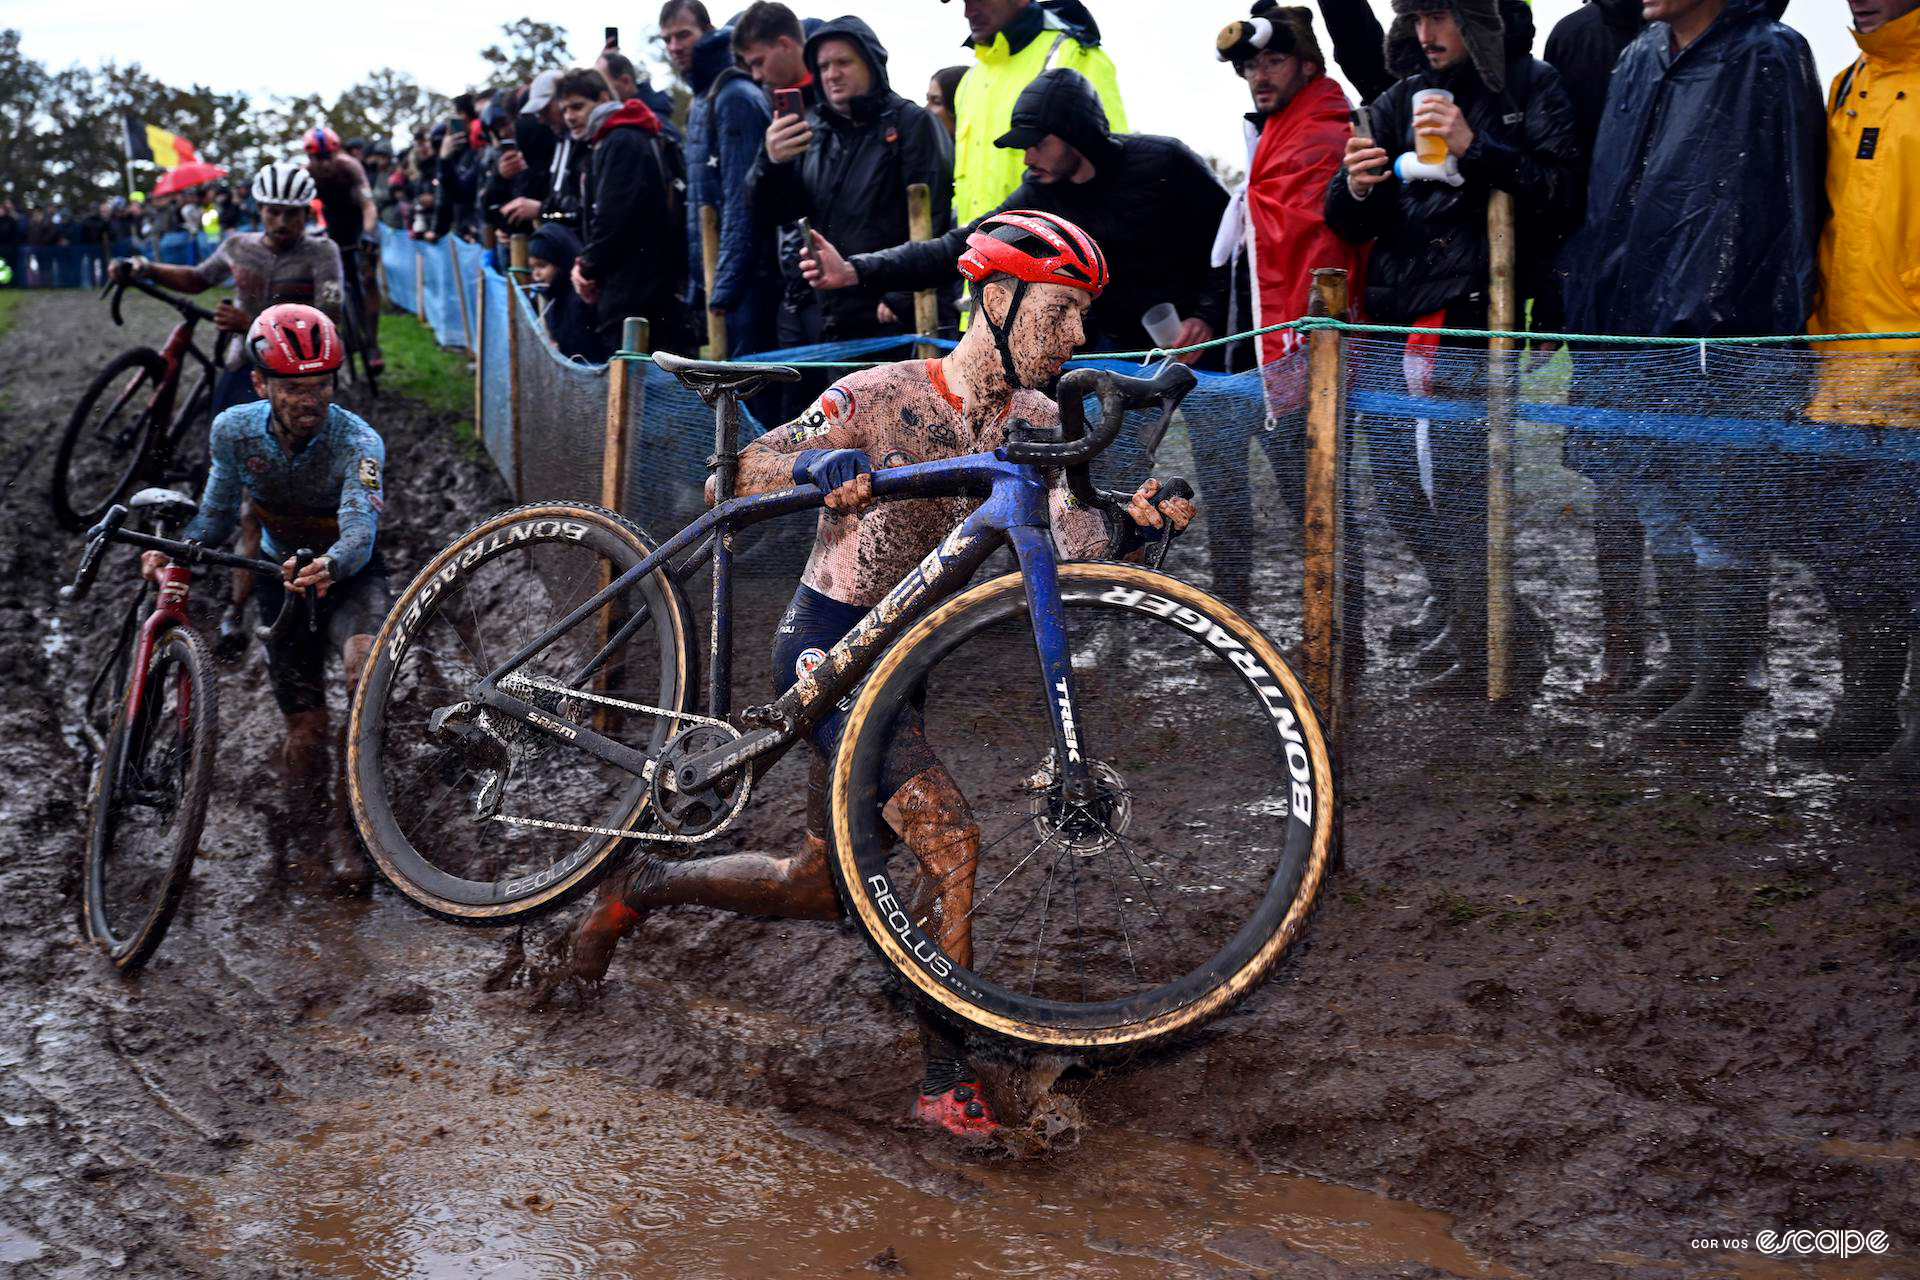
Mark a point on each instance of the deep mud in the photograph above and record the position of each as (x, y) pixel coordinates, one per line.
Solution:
(1563, 1013)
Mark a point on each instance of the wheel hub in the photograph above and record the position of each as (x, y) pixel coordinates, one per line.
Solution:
(1086, 829)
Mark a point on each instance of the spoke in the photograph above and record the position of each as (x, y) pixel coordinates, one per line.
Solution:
(1016, 868)
(438, 801)
(1046, 900)
(1139, 874)
(1079, 934)
(1002, 935)
(479, 634)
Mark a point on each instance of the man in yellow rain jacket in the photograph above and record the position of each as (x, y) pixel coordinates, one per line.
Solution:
(1014, 41)
(1869, 267)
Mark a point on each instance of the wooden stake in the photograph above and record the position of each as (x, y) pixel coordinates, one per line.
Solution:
(926, 303)
(479, 364)
(460, 289)
(621, 377)
(1323, 636)
(517, 260)
(710, 264)
(1502, 313)
(419, 285)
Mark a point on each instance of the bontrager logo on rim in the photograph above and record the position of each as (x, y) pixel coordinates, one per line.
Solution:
(525, 531)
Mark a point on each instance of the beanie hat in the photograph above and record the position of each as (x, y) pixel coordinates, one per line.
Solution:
(1283, 29)
(1480, 27)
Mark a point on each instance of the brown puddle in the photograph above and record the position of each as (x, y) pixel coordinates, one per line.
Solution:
(579, 1175)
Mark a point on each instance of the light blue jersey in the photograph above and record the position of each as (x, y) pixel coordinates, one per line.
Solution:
(331, 493)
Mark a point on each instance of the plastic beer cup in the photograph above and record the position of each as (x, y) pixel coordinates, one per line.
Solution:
(1429, 148)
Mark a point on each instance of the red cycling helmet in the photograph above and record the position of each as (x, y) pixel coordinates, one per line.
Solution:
(1036, 247)
(322, 141)
(294, 341)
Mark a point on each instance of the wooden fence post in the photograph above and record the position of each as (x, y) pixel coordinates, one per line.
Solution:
(1502, 313)
(710, 266)
(419, 284)
(1323, 635)
(517, 266)
(480, 365)
(460, 289)
(926, 302)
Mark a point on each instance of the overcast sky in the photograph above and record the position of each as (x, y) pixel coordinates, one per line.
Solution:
(1164, 51)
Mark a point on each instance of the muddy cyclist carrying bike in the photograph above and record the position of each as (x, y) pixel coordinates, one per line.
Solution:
(314, 474)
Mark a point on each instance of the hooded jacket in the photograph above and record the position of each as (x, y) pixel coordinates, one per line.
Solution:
(852, 181)
(726, 128)
(1704, 200)
(1869, 256)
(1041, 37)
(1152, 205)
(1429, 239)
(631, 246)
(570, 321)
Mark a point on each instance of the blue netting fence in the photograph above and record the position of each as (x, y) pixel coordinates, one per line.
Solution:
(1741, 520)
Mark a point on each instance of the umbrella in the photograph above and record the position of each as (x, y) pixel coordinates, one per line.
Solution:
(187, 175)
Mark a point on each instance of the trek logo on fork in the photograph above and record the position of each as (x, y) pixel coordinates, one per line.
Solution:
(1066, 722)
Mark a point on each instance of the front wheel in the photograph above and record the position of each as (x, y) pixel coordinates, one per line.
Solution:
(1127, 919)
(107, 439)
(150, 803)
(485, 819)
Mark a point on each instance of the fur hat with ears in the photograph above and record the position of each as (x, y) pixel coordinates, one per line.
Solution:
(1283, 29)
(1480, 27)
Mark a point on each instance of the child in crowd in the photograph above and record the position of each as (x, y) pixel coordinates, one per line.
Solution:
(550, 253)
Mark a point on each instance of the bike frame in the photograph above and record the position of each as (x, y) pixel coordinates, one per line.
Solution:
(1015, 511)
(179, 347)
(169, 610)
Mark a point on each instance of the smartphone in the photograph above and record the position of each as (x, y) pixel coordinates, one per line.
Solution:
(613, 37)
(508, 144)
(787, 102)
(806, 236)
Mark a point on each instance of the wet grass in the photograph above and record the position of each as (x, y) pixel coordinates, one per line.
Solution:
(11, 301)
(419, 368)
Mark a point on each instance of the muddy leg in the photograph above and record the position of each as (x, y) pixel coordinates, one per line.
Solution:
(232, 637)
(303, 769)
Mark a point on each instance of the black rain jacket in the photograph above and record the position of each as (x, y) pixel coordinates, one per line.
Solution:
(852, 182)
(630, 228)
(1430, 239)
(1707, 187)
(1152, 206)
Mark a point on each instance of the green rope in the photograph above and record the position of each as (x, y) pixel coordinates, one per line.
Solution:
(1307, 324)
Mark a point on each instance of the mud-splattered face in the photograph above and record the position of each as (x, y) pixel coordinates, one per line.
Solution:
(1048, 328)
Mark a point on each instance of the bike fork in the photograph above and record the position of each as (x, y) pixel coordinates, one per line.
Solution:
(1040, 573)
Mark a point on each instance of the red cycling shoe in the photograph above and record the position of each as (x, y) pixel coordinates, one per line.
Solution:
(960, 1111)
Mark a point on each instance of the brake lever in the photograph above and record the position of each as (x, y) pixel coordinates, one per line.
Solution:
(119, 292)
(1158, 551)
(97, 539)
(301, 559)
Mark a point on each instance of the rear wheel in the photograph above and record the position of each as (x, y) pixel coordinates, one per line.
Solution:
(150, 803)
(1149, 908)
(105, 445)
(453, 816)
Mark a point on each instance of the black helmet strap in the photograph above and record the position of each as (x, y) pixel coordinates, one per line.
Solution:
(1001, 331)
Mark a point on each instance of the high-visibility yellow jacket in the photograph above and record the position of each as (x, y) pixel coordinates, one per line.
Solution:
(983, 174)
(1869, 259)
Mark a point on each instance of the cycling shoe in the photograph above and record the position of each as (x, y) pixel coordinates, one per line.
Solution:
(960, 1111)
(231, 641)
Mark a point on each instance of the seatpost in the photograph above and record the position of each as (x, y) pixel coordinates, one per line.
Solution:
(725, 465)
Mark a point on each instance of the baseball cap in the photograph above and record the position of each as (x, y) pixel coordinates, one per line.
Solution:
(540, 93)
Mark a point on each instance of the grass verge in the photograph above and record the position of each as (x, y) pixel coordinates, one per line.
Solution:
(419, 368)
(10, 303)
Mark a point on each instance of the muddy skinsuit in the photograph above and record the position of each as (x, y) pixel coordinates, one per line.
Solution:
(897, 415)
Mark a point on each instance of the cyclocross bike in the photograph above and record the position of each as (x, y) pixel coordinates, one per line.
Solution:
(155, 766)
(1154, 795)
(353, 317)
(132, 423)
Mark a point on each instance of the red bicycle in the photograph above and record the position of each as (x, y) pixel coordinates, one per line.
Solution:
(155, 768)
(125, 429)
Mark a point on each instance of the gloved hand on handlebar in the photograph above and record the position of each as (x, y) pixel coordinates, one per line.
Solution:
(124, 270)
(828, 469)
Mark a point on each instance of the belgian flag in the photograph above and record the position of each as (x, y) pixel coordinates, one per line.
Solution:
(153, 145)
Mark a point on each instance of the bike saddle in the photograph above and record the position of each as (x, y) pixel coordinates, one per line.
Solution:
(168, 506)
(711, 379)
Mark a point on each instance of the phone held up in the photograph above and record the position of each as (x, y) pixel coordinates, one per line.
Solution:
(786, 102)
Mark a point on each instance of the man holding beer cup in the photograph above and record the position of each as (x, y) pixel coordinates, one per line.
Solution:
(1472, 112)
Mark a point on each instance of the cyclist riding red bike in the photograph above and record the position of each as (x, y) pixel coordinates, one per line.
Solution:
(1035, 276)
(313, 473)
(278, 264)
(353, 223)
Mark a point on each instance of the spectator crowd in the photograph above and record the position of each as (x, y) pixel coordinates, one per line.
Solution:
(1675, 170)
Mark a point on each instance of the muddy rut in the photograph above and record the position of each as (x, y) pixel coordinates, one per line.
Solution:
(1554, 1020)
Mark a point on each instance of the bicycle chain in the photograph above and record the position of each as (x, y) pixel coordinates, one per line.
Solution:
(739, 801)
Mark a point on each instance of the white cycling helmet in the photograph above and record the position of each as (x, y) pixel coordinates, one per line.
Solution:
(283, 183)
